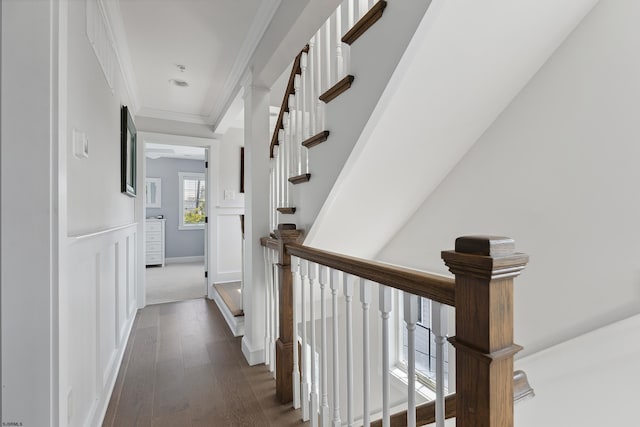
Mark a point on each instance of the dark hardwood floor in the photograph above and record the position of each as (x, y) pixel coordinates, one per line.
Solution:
(183, 367)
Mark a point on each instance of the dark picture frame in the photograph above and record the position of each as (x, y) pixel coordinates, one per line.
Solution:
(242, 169)
(128, 148)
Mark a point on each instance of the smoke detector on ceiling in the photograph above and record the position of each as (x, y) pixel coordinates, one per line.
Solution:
(179, 82)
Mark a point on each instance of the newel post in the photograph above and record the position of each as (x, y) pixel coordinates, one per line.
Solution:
(484, 268)
(286, 234)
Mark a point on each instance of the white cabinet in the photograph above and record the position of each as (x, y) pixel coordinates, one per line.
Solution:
(154, 242)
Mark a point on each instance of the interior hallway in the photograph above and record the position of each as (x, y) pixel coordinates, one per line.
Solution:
(175, 282)
(183, 367)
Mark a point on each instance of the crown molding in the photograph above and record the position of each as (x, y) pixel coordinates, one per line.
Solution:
(157, 113)
(115, 28)
(260, 24)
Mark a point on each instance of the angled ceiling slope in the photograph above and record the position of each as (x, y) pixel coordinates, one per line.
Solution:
(464, 65)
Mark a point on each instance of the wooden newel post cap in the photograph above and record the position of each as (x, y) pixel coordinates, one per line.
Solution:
(286, 234)
(487, 257)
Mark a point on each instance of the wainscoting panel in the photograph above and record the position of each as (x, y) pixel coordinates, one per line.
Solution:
(99, 303)
(228, 258)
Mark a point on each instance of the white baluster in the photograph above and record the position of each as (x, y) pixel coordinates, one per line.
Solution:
(385, 303)
(348, 296)
(411, 318)
(293, 117)
(304, 110)
(285, 153)
(317, 84)
(439, 328)
(365, 299)
(272, 208)
(329, 81)
(299, 126)
(325, 416)
(363, 8)
(267, 308)
(275, 311)
(338, 35)
(313, 129)
(303, 94)
(335, 281)
(295, 268)
(283, 188)
(313, 412)
(304, 400)
(352, 12)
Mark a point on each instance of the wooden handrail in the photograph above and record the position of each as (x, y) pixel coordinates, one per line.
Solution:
(270, 243)
(426, 413)
(427, 285)
(284, 107)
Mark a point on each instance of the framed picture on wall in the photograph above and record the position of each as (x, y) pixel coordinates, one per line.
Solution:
(242, 169)
(127, 153)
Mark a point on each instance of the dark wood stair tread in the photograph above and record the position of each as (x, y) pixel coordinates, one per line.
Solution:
(337, 89)
(286, 211)
(316, 139)
(365, 22)
(305, 177)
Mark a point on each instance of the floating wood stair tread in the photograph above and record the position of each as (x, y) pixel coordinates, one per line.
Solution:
(287, 211)
(337, 89)
(365, 22)
(305, 177)
(316, 139)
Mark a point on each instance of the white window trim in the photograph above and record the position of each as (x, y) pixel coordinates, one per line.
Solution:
(181, 177)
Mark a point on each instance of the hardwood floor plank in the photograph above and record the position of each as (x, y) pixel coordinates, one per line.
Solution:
(185, 368)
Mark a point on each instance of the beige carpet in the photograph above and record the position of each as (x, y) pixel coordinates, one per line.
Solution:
(232, 297)
(175, 282)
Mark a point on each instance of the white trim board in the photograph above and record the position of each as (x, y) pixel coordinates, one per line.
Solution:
(236, 324)
(253, 357)
(184, 259)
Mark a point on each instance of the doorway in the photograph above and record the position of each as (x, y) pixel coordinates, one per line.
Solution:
(176, 206)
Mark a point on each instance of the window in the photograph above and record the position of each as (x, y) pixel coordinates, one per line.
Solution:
(425, 348)
(192, 189)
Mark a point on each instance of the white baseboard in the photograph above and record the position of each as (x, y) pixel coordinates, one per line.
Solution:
(236, 324)
(253, 357)
(184, 259)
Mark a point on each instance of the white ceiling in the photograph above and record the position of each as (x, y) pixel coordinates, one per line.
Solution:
(213, 39)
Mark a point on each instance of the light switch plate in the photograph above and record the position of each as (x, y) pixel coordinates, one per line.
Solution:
(80, 144)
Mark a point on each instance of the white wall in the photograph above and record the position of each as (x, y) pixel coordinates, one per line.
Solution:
(574, 390)
(464, 64)
(557, 171)
(347, 115)
(29, 212)
(94, 200)
(227, 211)
(100, 239)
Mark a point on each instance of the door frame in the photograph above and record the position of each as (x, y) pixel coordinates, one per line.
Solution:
(211, 152)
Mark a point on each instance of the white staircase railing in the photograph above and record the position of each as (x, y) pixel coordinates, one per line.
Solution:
(324, 411)
(321, 64)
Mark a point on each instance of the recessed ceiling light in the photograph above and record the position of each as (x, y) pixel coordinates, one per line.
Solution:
(179, 82)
